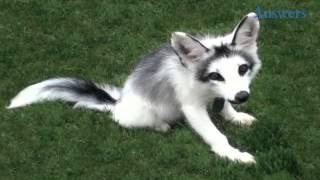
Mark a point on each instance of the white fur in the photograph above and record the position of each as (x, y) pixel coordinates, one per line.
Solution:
(34, 94)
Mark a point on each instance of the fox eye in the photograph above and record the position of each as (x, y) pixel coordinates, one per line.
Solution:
(243, 69)
(215, 76)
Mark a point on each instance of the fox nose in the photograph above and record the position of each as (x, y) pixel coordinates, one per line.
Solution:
(242, 96)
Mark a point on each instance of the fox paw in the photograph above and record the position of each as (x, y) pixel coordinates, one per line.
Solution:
(243, 119)
(235, 155)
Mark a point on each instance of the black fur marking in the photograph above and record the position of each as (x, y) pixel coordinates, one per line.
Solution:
(219, 51)
(248, 58)
(203, 74)
(218, 104)
(233, 43)
(84, 88)
(222, 51)
(225, 51)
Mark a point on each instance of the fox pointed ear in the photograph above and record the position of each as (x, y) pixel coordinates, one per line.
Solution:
(246, 32)
(187, 46)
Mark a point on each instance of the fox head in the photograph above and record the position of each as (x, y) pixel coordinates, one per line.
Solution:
(225, 64)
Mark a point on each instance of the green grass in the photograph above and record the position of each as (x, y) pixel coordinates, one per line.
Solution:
(102, 40)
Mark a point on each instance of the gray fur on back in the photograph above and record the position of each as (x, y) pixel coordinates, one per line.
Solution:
(149, 79)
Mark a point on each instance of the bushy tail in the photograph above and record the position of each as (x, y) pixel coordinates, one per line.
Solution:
(82, 93)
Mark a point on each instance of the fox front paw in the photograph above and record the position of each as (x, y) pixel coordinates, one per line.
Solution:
(235, 155)
(243, 119)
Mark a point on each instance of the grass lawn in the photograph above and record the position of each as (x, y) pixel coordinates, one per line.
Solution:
(102, 40)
